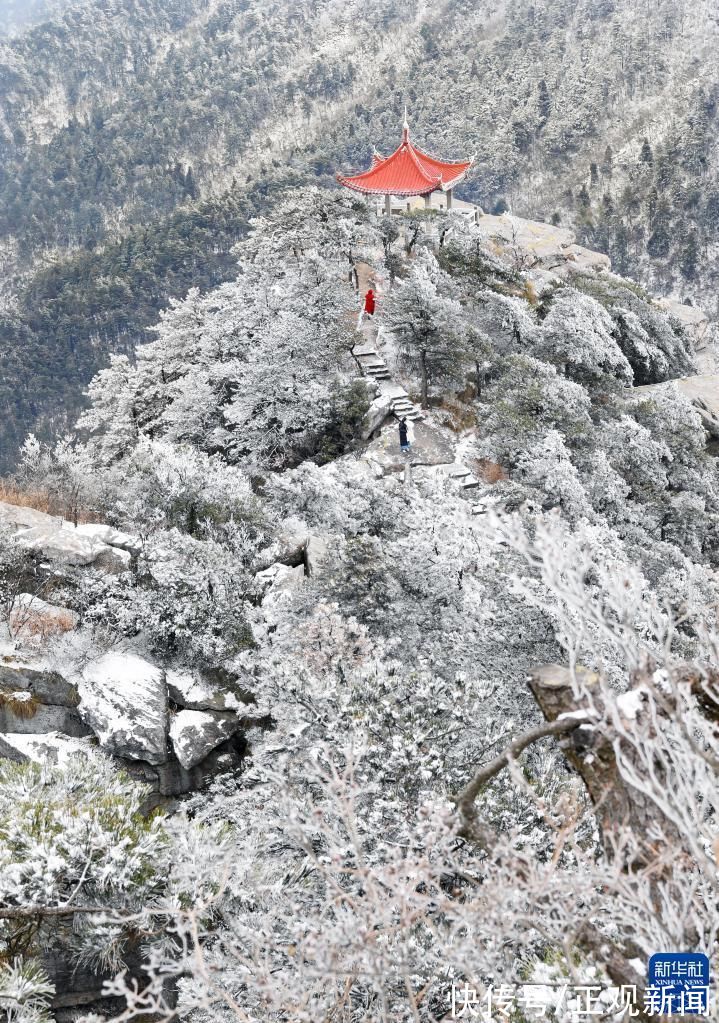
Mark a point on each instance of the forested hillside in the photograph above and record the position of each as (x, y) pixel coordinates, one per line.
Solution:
(116, 119)
(255, 593)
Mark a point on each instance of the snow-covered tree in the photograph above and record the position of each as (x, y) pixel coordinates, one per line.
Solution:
(427, 323)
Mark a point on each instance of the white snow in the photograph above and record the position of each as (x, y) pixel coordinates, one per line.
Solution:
(51, 747)
(629, 704)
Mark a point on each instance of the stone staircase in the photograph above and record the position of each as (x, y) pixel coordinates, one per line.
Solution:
(460, 474)
(374, 366)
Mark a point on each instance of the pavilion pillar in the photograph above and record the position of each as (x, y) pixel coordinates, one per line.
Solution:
(449, 198)
(388, 206)
(428, 200)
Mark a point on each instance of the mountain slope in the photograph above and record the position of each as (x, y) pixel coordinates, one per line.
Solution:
(115, 116)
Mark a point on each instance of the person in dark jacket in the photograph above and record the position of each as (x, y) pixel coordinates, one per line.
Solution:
(403, 436)
(369, 302)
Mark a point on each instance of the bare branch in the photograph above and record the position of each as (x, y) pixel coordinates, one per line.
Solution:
(466, 798)
(26, 912)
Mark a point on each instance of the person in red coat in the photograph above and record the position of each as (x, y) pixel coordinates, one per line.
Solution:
(369, 303)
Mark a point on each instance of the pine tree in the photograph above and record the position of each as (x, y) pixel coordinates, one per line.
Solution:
(544, 103)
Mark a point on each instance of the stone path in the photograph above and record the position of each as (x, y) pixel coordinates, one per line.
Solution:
(456, 471)
(425, 450)
(374, 366)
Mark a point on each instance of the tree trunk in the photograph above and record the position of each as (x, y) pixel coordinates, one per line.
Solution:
(423, 371)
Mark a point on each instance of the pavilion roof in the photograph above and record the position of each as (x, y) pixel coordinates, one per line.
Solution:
(408, 171)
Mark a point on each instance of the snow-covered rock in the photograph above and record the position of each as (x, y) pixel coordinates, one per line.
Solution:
(208, 690)
(558, 676)
(376, 415)
(541, 243)
(278, 581)
(30, 672)
(61, 542)
(316, 553)
(34, 619)
(580, 260)
(26, 518)
(702, 391)
(112, 560)
(111, 536)
(63, 546)
(195, 733)
(123, 698)
(50, 748)
(630, 704)
(34, 699)
(22, 712)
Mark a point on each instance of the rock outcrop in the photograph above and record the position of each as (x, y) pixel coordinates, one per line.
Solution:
(209, 689)
(196, 733)
(172, 731)
(123, 698)
(66, 545)
(375, 415)
(46, 748)
(694, 320)
(36, 700)
(278, 581)
(533, 245)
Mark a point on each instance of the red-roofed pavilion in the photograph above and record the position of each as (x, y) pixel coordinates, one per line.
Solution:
(408, 171)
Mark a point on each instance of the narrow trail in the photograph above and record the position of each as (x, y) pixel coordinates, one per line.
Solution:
(374, 366)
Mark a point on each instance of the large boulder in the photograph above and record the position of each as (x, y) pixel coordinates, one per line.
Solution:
(581, 260)
(35, 699)
(195, 733)
(123, 698)
(65, 544)
(526, 242)
(375, 415)
(22, 712)
(19, 517)
(279, 581)
(27, 672)
(111, 536)
(316, 553)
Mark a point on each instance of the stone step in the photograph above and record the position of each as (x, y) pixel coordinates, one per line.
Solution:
(469, 482)
(378, 374)
(368, 348)
(454, 470)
